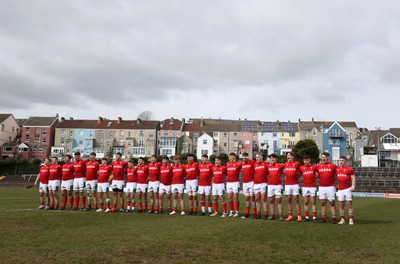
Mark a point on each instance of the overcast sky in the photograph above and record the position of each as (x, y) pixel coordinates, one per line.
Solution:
(262, 60)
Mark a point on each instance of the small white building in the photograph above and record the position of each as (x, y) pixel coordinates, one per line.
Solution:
(205, 145)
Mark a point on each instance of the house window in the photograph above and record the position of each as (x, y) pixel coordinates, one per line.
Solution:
(225, 144)
(139, 151)
(44, 140)
(292, 143)
(247, 142)
(204, 141)
(8, 149)
(195, 134)
(330, 141)
(44, 131)
(13, 129)
(235, 134)
(314, 132)
(175, 133)
(71, 133)
(37, 138)
(62, 132)
(111, 133)
(121, 133)
(141, 134)
(80, 142)
(91, 134)
(101, 141)
(166, 152)
(151, 135)
(274, 134)
(37, 130)
(141, 142)
(2, 128)
(88, 144)
(26, 138)
(215, 134)
(81, 133)
(166, 133)
(292, 134)
(204, 152)
(235, 143)
(215, 143)
(28, 129)
(101, 133)
(389, 139)
(129, 133)
(62, 141)
(40, 149)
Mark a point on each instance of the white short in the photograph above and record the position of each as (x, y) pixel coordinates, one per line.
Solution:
(309, 191)
(177, 188)
(154, 186)
(232, 187)
(345, 195)
(43, 188)
(117, 185)
(91, 186)
(275, 190)
(131, 187)
(142, 187)
(54, 185)
(67, 185)
(79, 184)
(292, 189)
(192, 186)
(218, 189)
(103, 187)
(248, 188)
(165, 189)
(205, 190)
(260, 188)
(327, 193)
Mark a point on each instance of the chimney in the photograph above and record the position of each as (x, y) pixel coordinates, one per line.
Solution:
(312, 119)
(100, 119)
(119, 120)
(62, 119)
(171, 122)
(71, 118)
(138, 121)
(201, 122)
(299, 120)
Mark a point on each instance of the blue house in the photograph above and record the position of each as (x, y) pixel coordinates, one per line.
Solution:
(335, 142)
(83, 141)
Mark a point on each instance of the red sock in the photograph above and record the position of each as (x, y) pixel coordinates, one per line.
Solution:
(115, 206)
(83, 200)
(259, 213)
(145, 206)
(57, 205)
(152, 207)
(314, 214)
(290, 214)
(140, 207)
(247, 210)
(108, 205)
(51, 205)
(122, 206)
(351, 216)
(224, 207)
(266, 214)
(101, 206)
(128, 204)
(71, 201)
(231, 206)
(195, 209)
(307, 214)
(89, 205)
(216, 207)
(237, 206)
(203, 204)
(64, 202)
(209, 205)
(255, 211)
(76, 202)
(324, 217)
(273, 214)
(133, 204)
(190, 209)
(298, 213)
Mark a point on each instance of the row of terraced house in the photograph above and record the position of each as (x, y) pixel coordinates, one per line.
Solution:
(40, 137)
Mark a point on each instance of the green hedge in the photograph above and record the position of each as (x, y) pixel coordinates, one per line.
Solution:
(19, 166)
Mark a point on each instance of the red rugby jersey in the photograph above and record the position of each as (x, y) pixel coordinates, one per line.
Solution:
(344, 177)
(131, 175)
(154, 171)
(92, 167)
(205, 174)
(142, 172)
(326, 173)
(260, 172)
(292, 172)
(104, 173)
(166, 174)
(44, 174)
(67, 171)
(119, 169)
(219, 173)
(233, 171)
(178, 173)
(192, 171)
(55, 172)
(80, 168)
(275, 173)
(248, 171)
(309, 175)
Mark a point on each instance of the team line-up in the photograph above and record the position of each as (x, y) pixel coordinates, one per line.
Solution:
(261, 181)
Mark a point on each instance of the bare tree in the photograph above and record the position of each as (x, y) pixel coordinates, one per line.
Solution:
(146, 115)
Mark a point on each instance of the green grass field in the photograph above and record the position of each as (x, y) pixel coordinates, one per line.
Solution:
(31, 236)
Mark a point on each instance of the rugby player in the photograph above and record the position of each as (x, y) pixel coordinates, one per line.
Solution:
(292, 185)
(43, 176)
(142, 172)
(260, 185)
(233, 185)
(309, 188)
(248, 184)
(192, 174)
(92, 168)
(103, 186)
(154, 183)
(79, 180)
(54, 182)
(177, 187)
(205, 179)
(327, 190)
(275, 171)
(165, 184)
(131, 185)
(118, 184)
(67, 183)
(218, 186)
(347, 184)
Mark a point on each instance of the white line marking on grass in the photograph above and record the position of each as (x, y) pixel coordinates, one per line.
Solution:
(14, 198)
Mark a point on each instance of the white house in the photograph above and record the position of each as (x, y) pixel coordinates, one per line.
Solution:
(205, 145)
